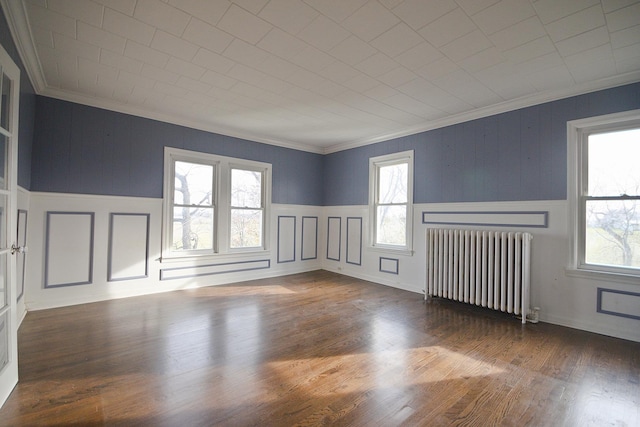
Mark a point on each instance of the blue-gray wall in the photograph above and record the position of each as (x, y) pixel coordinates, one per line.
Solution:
(519, 155)
(86, 150)
(27, 107)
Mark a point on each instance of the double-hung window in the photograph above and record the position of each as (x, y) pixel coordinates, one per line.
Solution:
(605, 190)
(391, 200)
(214, 205)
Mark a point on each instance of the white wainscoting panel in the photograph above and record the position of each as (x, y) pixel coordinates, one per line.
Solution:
(286, 238)
(69, 249)
(309, 238)
(354, 240)
(334, 237)
(128, 246)
(213, 269)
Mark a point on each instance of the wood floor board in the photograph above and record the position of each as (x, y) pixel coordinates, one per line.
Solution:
(313, 349)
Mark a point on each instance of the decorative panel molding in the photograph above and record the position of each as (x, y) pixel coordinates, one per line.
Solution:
(389, 265)
(286, 238)
(309, 242)
(539, 219)
(354, 240)
(21, 260)
(619, 303)
(68, 249)
(211, 269)
(334, 237)
(128, 246)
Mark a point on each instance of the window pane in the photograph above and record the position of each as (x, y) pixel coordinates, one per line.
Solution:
(4, 145)
(246, 188)
(246, 228)
(613, 233)
(613, 163)
(192, 228)
(391, 225)
(392, 185)
(193, 184)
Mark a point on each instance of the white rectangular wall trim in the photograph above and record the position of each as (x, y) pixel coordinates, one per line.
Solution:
(619, 303)
(389, 265)
(286, 238)
(538, 219)
(211, 269)
(68, 249)
(354, 240)
(334, 237)
(309, 238)
(128, 246)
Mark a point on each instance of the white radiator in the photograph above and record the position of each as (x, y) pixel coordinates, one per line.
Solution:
(486, 268)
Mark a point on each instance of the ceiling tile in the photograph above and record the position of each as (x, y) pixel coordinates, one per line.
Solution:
(119, 61)
(466, 46)
(419, 56)
(370, 21)
(323, 33)
(376, 65)
(244, 25)
(482, 60)
(184, 68)
(591, 64)
(397, 40)
(101, 38)
(158, 74)
(289, 15)
(212, 61)
(624, 18)
(53, 21)
(471, 7)
(381, 92)
(397, 77)
(438, 68)
(127, 27)
(339, 72)
(124, 6)
(207, 36)
(145, 54)
(312, 59)
(42, 36)
(174, 46)
(447, 28)
(418, 13)
(81, 10)
(611, 5)
(530, 50)
(246, 53)
(352, 51)
(218, 80)
(162, 16)
(79, 48)
(206, 10)
(552, 10)
(361, 83)
(277, 67)
(519, 34)
(171, 90)
(551, 79)
(134, 80)
(464, 86)
(626, 37)
(253, 6)
(338, 10)
(584, 41)
(575, 24)
(502, 15)
(281, 44)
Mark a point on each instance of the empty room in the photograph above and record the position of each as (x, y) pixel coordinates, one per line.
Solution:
(319, 212)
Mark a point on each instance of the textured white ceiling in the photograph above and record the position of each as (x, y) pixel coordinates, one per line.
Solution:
(323, 75)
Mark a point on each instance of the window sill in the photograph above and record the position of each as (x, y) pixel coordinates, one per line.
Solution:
(601, 276)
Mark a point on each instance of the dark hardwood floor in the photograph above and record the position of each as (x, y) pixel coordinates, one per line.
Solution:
(313, 349)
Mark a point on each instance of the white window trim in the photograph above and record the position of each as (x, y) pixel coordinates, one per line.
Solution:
(374, 163)
(222, 203)
(577, 132)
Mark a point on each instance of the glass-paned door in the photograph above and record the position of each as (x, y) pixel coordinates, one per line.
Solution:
(9, 91)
